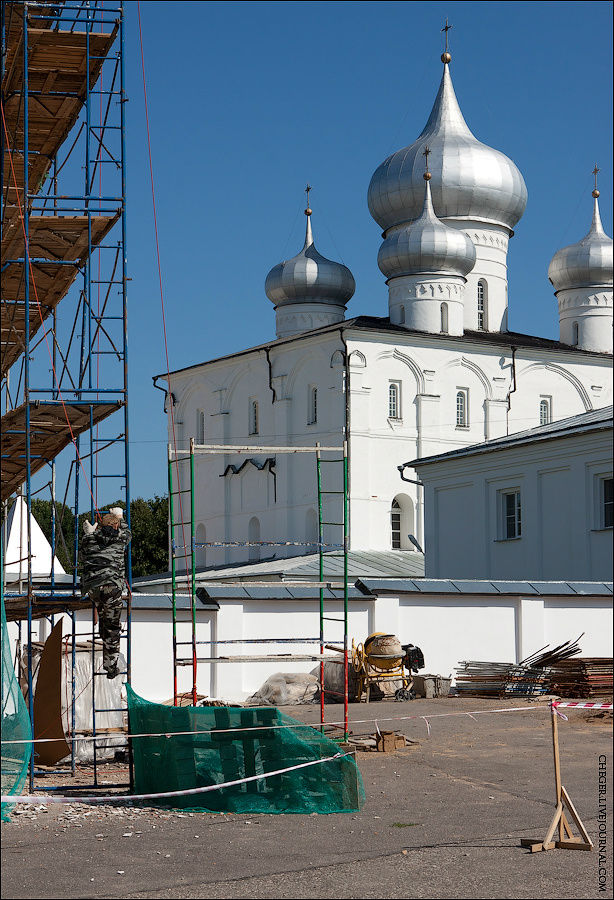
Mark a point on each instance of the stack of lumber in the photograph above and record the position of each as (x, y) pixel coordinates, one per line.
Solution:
(531, 677)
(586, 677)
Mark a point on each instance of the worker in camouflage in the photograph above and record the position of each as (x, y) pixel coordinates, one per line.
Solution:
(103, 575)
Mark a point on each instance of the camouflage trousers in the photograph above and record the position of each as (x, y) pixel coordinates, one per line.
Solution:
(108, 601)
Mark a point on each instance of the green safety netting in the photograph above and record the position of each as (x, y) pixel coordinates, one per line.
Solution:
(15, 727)
(231, 743)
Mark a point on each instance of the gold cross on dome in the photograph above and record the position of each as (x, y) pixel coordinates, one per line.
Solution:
(307, 190)
(595, 171)
(425, 154)
(446, 28)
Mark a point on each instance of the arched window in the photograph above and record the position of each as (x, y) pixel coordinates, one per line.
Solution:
(395, 524)
(401, 522)
(201, 552)
(253, 417)
(575, 334)
(462, 416)
(482, 306)
(394, 400)
(200, 426)
(312, 416)
(402, 316)
(253, 536)
(545, 411)
(444, 318)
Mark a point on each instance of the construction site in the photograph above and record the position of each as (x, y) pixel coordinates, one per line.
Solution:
(281, 713)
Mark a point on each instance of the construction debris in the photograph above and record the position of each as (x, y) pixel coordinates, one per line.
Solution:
(585, 677)
(534, 676)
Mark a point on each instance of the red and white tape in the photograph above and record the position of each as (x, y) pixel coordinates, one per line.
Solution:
(582, 704)
(123, 798)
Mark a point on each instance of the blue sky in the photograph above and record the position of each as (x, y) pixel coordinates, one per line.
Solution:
(249, 101)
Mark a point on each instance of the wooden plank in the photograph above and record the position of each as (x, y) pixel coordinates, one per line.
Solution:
(573, 845)
(46, 441)
(574, 815)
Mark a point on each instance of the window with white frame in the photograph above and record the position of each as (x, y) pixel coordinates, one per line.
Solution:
(482, 307)
(545, 410)
(394, 400)
(462, 408)
(510, 515)
(395, 525)
(253, 417)
(200, 426)
(444, 318)
(312, 404)
(606, 502)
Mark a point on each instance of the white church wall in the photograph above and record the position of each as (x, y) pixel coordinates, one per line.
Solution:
(561, 536)
(447, 627)
(503, 391)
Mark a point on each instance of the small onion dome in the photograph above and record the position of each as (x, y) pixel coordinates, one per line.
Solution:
(309, 278)
(470, 180)
(585, 264)
(427, 246)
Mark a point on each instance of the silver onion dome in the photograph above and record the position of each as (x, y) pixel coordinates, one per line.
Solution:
(309, 278)
(427, 246)
(470, 180)
(587, 263)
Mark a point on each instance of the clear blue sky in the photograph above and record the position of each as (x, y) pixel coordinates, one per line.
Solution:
(248, 101)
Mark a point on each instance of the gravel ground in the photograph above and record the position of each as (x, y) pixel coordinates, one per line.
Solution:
(443, 818)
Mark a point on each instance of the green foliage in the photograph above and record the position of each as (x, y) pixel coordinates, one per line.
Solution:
(148, 522)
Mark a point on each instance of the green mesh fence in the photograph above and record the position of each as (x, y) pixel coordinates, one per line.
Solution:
(15, 727)
(247, 744)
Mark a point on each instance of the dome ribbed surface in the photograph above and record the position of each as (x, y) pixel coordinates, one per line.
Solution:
(470, 180)
(309, 277)
(585, 264)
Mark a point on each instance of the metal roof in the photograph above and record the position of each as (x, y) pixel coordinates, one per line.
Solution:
(274, 592)
(466, 586)
(504, 339)
(361, 564)
(593, 420)
(165, 601)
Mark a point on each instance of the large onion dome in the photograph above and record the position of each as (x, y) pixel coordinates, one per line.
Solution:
(427, 246)
(587, 264)
(309, 278)
(470, 180)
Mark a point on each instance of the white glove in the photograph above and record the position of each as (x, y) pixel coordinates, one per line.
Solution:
(88, 528)
(117, 511)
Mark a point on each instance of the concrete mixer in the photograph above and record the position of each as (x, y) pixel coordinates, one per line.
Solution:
(381, 659)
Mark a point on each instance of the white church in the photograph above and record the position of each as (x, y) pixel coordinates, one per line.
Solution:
(441, 372)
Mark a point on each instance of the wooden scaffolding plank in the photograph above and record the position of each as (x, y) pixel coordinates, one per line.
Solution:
(16, 608)
(49, 435)
(62, 238)
(57, 65)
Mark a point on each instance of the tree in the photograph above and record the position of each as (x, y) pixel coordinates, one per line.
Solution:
(148, 522)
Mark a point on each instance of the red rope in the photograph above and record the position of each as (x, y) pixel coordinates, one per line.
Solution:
(168, 372)
(40, 313)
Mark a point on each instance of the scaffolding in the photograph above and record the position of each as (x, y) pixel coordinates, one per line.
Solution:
(64, 301)
(183, 547)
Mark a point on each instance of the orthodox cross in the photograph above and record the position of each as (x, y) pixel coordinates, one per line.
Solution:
(446, 28)
(425, 154)
(307, 190)
(595, 171)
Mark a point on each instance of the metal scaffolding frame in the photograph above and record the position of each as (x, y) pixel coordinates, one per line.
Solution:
(184, 549)
(64, 293)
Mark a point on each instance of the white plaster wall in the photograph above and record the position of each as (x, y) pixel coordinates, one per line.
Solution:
(449, 629)
(429, 369)
(561, 538)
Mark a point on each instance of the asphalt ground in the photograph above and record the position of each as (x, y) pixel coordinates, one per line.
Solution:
(443, 819)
